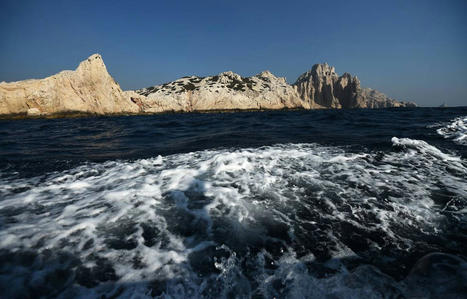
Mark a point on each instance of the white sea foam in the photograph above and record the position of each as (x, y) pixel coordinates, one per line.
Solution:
(455, 130)
(420, 146)
(186, 225)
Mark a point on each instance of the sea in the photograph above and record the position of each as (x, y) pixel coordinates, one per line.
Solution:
(275, 204)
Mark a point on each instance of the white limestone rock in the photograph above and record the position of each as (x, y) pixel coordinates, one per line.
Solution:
(225, 91)
(88, 89)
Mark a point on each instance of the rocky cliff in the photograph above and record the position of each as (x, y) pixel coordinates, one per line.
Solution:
(88, 89)
(225, 91)
(321, 86)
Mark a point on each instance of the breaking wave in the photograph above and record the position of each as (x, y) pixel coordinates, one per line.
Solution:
(455, 130)
(290, 220)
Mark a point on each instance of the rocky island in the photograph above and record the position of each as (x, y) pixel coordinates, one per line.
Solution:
(91, 90)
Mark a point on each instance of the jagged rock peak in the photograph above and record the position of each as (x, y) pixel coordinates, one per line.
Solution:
(266, 74)
(318, 70)
(93, 62)
(348, 75)
(270, 77)
(324, 69)
(94, 57)
(316, 86)
(88, 89)
(230, 75)
(347, 79)
(322, 87)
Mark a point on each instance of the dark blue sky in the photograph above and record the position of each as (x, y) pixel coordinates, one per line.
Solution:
(412, 50)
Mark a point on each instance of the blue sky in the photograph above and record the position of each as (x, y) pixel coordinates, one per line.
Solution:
(410, 50)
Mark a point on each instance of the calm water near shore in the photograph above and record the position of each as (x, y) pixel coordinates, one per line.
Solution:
(286, 204)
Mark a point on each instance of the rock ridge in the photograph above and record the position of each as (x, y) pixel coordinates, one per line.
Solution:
(321, 86)
(225, 91)
(88, 89)
(91, 89)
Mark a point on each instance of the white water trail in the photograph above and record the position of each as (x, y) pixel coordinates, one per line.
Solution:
(455, 130)
(214, 223)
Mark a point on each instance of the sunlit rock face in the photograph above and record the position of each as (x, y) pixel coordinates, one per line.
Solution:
(321, 87)
(88, 89)
(225, 91)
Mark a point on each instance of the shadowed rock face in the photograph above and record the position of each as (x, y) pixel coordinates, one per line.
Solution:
(88, 89)
(322, 87)
(317, 86)
(346, 91)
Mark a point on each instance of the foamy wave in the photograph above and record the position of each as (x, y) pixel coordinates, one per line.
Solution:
(456, 130)
(420, 146)
(277, 221)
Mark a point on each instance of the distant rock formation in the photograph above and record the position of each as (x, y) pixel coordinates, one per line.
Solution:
(322, 87)
(90, 89)
(317, 86)
(225, 91)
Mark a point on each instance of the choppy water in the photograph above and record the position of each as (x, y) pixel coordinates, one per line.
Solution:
(300, 204)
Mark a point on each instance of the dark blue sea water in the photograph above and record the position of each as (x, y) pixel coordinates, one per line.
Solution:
(285, 204)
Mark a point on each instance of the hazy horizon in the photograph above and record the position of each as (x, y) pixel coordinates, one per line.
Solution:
(409, 51)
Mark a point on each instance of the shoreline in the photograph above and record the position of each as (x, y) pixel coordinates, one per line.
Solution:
(79, 114)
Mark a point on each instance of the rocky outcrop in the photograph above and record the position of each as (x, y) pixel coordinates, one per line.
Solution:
(225, 91)
(346, 90)
(88, 89)
(322, 87)
(317, 86)
(370, 98)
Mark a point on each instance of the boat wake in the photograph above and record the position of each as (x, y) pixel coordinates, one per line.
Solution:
(455, 130)
(290, 220)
